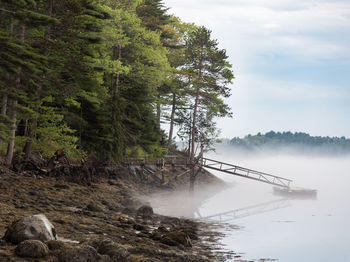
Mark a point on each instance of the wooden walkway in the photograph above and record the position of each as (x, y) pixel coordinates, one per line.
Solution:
(214, 165)
(245, 172)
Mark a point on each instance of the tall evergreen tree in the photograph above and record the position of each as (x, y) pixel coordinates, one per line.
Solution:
(211, 76)
(23, 63)
(155, 18)
(177, 92)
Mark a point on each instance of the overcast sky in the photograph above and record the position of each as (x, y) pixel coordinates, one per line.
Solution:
(291, 60)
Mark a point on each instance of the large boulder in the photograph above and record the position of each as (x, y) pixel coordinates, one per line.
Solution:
(32, 249)
(36, 227)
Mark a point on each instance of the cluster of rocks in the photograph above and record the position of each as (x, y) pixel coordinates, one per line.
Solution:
(36, 238)
(100, 208)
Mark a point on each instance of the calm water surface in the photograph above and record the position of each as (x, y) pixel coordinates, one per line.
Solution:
(289, 230)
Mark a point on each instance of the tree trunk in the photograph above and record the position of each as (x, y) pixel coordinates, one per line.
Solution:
(158, 112)
(118, 75)
(189, 139)
(3, 110)
(11, 145)
(195, 109)
(7, 77)
(172, 116)
(34, 122)
(115, 90)
(193, 130)
(4, 105)
(31, 134)
(194, 122)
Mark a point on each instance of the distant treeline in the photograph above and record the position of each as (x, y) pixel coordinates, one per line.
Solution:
(288, 139)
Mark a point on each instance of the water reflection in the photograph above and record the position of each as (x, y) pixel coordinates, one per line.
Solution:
(181, 203)
(249, 210)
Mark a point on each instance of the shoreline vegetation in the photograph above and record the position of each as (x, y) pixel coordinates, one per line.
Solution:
(291, 142)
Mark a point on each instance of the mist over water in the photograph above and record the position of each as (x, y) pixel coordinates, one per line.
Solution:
(272, 227)
(307, 230)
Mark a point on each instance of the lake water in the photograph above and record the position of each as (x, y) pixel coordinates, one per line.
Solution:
(289, 230)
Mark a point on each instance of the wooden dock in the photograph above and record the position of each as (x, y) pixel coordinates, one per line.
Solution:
(245, 172)
(204, 162)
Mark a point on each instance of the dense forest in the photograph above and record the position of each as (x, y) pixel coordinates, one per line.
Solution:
(99, 79)
(274, 140)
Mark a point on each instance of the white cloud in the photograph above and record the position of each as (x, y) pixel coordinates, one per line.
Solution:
(311, 30)
(280, 35)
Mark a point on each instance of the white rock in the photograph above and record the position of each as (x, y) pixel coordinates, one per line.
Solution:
(36, 227)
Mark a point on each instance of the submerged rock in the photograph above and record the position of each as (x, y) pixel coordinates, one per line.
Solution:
(32, 249)
(36, 227)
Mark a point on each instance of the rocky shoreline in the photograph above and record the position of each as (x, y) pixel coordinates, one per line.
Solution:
(99, 214)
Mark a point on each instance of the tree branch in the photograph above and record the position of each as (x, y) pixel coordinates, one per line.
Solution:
(8, 11)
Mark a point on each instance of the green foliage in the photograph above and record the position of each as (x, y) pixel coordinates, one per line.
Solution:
(5, 123)
(155, 152)
(209, 75)
(288, 139)
(52, 134)
(210, 68)
(136, 152)
(90, 76)
(53, 137)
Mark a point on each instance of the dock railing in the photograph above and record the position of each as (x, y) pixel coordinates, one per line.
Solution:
(174, 161)
(245, 172)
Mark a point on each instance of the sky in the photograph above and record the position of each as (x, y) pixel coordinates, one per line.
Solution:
(291, 61)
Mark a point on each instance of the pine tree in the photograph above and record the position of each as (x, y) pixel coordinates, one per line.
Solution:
(155, 18)
(22, 62)
(176, 95)
(211, 76)
(147, 58)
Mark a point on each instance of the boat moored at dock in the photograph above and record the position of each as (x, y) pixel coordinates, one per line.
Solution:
(295, 192)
